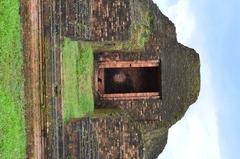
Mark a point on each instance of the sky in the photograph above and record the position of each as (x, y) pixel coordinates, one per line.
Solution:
(211, 127)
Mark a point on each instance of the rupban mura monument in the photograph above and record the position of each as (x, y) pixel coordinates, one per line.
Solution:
(122, 57)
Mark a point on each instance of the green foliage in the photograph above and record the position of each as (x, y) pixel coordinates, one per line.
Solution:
(100, 113)
(140, 35)
(77, 79)
(12, 135)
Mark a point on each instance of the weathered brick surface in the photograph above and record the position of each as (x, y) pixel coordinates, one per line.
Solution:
(80, 140)
(110, 19)
(77, 19)
(97, 20)
(105, 137)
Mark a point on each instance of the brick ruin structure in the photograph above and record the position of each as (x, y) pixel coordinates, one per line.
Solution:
(144, 80)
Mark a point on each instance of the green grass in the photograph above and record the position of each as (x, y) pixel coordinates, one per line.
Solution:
(11, 128)
(77, 79)
(12, 135)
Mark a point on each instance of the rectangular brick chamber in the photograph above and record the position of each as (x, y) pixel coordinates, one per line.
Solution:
(128, 80)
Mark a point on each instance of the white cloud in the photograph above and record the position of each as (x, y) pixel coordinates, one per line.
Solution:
(180, 14)
(196, 135)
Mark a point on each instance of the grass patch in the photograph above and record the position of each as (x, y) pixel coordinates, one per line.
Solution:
(77, 79)
(12, 139)
(12, 134)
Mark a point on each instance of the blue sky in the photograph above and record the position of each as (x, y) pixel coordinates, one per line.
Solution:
(211, 127)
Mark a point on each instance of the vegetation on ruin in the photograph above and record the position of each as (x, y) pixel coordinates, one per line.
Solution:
(139, 35)
(140, 31)
(103, 112)
(12, 134)
(77, 79)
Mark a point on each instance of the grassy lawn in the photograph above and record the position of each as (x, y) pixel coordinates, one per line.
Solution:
(12, 136)
(77, 79)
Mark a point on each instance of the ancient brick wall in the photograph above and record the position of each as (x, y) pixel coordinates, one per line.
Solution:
(80, 139)
(97, 20)
(110, 19)
(103, 138)
(77, 19)
(183, 64)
